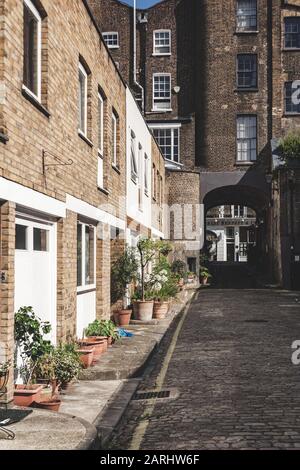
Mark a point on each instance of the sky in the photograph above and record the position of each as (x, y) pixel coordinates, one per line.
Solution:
(142, 3)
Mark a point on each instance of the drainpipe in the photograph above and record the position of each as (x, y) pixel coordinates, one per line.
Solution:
(135, 56)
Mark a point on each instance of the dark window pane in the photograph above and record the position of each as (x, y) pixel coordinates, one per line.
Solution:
(21, 237)
(246, 15)
(247, 71)
(79, 255)
(40, 239)
(31, 52)
(292, 32)
(292, 101)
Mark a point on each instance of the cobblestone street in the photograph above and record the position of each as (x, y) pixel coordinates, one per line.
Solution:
(231, 366)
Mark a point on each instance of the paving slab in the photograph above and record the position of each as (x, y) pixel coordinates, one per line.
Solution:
(45, 430)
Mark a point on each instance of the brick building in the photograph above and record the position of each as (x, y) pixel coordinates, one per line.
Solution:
(216, 76)
(63, 165)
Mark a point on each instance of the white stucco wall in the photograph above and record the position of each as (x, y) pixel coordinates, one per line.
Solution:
(136, 123)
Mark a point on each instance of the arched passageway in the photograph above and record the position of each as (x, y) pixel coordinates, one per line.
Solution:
(236, 247)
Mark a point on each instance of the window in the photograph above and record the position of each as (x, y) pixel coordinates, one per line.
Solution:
(21, 237)
(247, 71)
(246, 15)
(140, 179)
(82, 99)
(111, 39)
(162, 42)
(133, 162)
(40, 239)
(114, 127)
(146, 174)
(246, 138)
(154, 182)
(100, 123)
(292, 32)
(238, 211)
(168, 140)
(291, 95)
(161, 92)
(32, 49)
(86, 250)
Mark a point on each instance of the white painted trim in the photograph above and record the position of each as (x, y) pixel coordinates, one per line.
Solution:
(38, 17)
(83, 287)
(114, 136)
(84, 72)
(154, 108)
(112, 33)
(155, 53)
(87, 210)
(101, 137)
(26, 197)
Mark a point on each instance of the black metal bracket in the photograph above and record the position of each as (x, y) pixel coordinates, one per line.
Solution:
(59, 161)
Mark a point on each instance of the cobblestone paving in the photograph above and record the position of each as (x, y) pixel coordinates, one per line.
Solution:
(232, 367)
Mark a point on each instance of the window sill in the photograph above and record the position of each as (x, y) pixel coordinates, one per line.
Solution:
(113, 47)
(161, 111)
(3, 138)
(157, 54)
(290, 49)
(26, 93)
(287, 115)
(104, 191)
(246, 90)
(116, 168)
(86, 290)
(244, 163)
(85, 139)
(237, 32)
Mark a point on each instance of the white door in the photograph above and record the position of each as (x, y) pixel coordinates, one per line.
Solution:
(35, 269)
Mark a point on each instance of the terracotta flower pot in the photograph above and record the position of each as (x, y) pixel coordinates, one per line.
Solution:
(124, 317)
(143, 311)
(26, 395)
(160, 310)
(109, 341)
(98, 346)
(51, 405)
(204, 281)
(86, 357)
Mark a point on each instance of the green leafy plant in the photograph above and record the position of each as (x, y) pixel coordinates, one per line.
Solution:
(179, 267)
(204, 273)
(29, 336)
(289, 146)
(4, 368)
(123, 272)
(102, 328)
(148, 250)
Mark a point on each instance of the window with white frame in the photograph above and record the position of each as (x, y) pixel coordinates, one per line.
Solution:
(133, 161)
(82, 99)
(146, 174)
(140, 179)
(238, 211)
(112, 39)
(100, 140)
(168, 139)
(114, 130)
(32, 69)
(86, 255)
(246, 138)
(162, 42)
(246, 15)
(161, 91)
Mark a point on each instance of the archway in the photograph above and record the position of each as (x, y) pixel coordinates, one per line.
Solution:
(236, 234)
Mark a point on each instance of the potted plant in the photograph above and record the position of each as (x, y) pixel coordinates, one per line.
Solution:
(31, 345)
(190, 277)
(4, 374)
(204, 275)
(123, 273)
(148, 250)
(86, 356)
(179, 268)
(45, 369)
(102, 329)
(67, 364)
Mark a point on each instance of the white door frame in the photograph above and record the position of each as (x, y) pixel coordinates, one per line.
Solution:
(31, 222)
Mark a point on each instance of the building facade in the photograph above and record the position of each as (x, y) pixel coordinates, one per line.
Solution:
(64, 199)
(214, 81)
